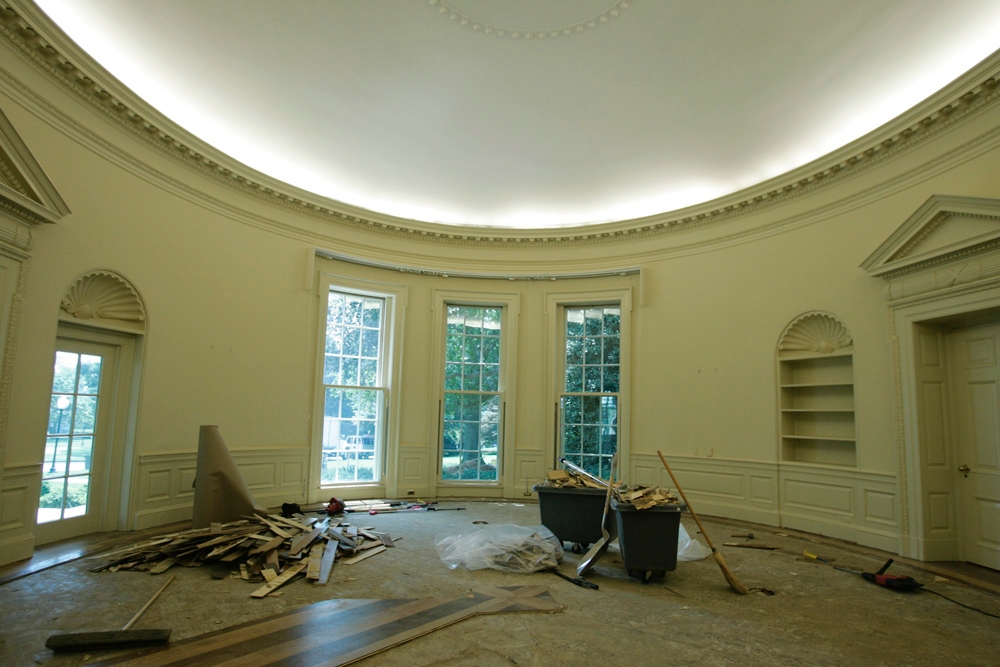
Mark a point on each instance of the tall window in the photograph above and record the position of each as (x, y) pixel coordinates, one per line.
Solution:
(472, 393)
(589, 400)
(354, 392)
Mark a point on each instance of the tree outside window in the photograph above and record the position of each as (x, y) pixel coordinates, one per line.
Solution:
(472, 394)
(589, 402)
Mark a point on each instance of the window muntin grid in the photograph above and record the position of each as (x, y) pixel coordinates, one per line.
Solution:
(353, 395)
(471, 412)
(591, 386)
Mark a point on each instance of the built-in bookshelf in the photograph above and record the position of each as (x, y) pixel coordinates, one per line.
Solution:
(816, 393)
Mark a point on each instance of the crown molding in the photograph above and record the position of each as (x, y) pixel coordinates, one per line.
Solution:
(29, 31)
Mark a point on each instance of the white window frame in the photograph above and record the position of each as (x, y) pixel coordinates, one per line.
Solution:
(510, 305)
(556, 305)
(395, 297)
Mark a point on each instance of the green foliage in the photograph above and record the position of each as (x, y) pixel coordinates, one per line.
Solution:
(52, 495)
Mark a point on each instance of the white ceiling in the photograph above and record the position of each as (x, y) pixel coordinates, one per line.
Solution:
(449, 111)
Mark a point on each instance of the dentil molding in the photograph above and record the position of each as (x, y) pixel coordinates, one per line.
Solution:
(464, 20)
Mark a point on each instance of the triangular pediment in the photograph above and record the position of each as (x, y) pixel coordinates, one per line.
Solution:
(26, 193)
(943, 228)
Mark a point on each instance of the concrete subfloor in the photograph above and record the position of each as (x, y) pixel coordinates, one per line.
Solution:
(817, 615)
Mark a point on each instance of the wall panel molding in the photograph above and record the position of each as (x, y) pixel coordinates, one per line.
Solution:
(731, 488)
(857, 506)
(165, 486)
(19, 485)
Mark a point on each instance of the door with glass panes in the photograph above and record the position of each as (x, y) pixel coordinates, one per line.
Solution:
(73, 495)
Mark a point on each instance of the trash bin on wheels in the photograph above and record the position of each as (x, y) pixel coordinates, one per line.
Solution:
(574, 514)
(648, 538)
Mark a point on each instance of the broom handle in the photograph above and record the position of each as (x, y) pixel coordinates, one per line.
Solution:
(683, 497)
(146, 606)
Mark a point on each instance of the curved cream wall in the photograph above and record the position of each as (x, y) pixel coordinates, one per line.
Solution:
(230, 288)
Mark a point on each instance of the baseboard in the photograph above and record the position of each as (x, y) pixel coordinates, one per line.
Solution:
(17, 549)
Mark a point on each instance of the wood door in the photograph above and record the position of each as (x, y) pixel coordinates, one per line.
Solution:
(73, 498)
(976, 373)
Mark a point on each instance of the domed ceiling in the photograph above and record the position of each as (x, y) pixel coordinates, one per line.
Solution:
(529, 113)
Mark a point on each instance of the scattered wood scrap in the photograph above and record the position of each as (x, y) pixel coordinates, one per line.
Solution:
(562, 479)
(270, 550)
(644, 497)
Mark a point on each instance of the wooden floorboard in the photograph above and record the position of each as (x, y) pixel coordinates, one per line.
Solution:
(335, 632)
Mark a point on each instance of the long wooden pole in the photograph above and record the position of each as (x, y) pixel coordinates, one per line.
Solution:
(734, 583)
(146, 606)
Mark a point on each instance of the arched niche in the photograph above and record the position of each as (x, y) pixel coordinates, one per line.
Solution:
(816, 392)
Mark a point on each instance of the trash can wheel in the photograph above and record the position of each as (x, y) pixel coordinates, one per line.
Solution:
(579, 548)
(645, 576)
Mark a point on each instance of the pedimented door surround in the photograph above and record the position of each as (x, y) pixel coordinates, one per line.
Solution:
(942, 265)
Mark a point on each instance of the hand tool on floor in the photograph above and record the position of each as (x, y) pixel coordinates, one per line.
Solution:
(124, 638)
(748, 545)
(600, 546)
(580, 471)
(734, 583)
(811, 556)
(896, 582)
(579, 581)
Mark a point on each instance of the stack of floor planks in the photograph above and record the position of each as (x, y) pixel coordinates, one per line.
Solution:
(271, 550)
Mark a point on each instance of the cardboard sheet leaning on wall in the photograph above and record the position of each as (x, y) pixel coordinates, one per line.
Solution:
(221, 494)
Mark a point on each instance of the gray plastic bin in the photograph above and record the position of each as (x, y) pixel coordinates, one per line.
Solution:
(573, 514)
(648, 538)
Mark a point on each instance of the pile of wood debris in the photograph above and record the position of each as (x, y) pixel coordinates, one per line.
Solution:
(272, 550)
(569, 479)
(644, 497)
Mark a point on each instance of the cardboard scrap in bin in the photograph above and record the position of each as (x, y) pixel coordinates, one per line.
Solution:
(644, 497)
(265, 550)
(568, 479)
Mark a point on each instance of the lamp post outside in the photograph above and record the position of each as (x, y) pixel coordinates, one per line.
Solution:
(61, 404)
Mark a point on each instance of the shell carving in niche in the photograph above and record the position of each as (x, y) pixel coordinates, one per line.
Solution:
(105, 296)
(816, 332)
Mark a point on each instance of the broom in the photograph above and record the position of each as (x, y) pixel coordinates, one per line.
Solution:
(124, 638)
(734, 583)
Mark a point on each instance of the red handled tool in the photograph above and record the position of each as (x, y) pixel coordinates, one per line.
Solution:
(897, 582)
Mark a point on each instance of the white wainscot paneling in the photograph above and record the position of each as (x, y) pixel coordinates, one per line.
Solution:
(852, 505)
(19, 488)
(716, 487)
(529, 469)
(414, 471)
(818, 496)
(165, 488)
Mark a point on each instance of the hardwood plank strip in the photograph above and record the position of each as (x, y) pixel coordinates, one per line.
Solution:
(326, 565)
(303, 541)
(195, 650)
(345, 637)
(315, 559)
(267, 546)
(276, 529)
(277, 518)
(363, 555)
(282, 578)
(333, 632)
